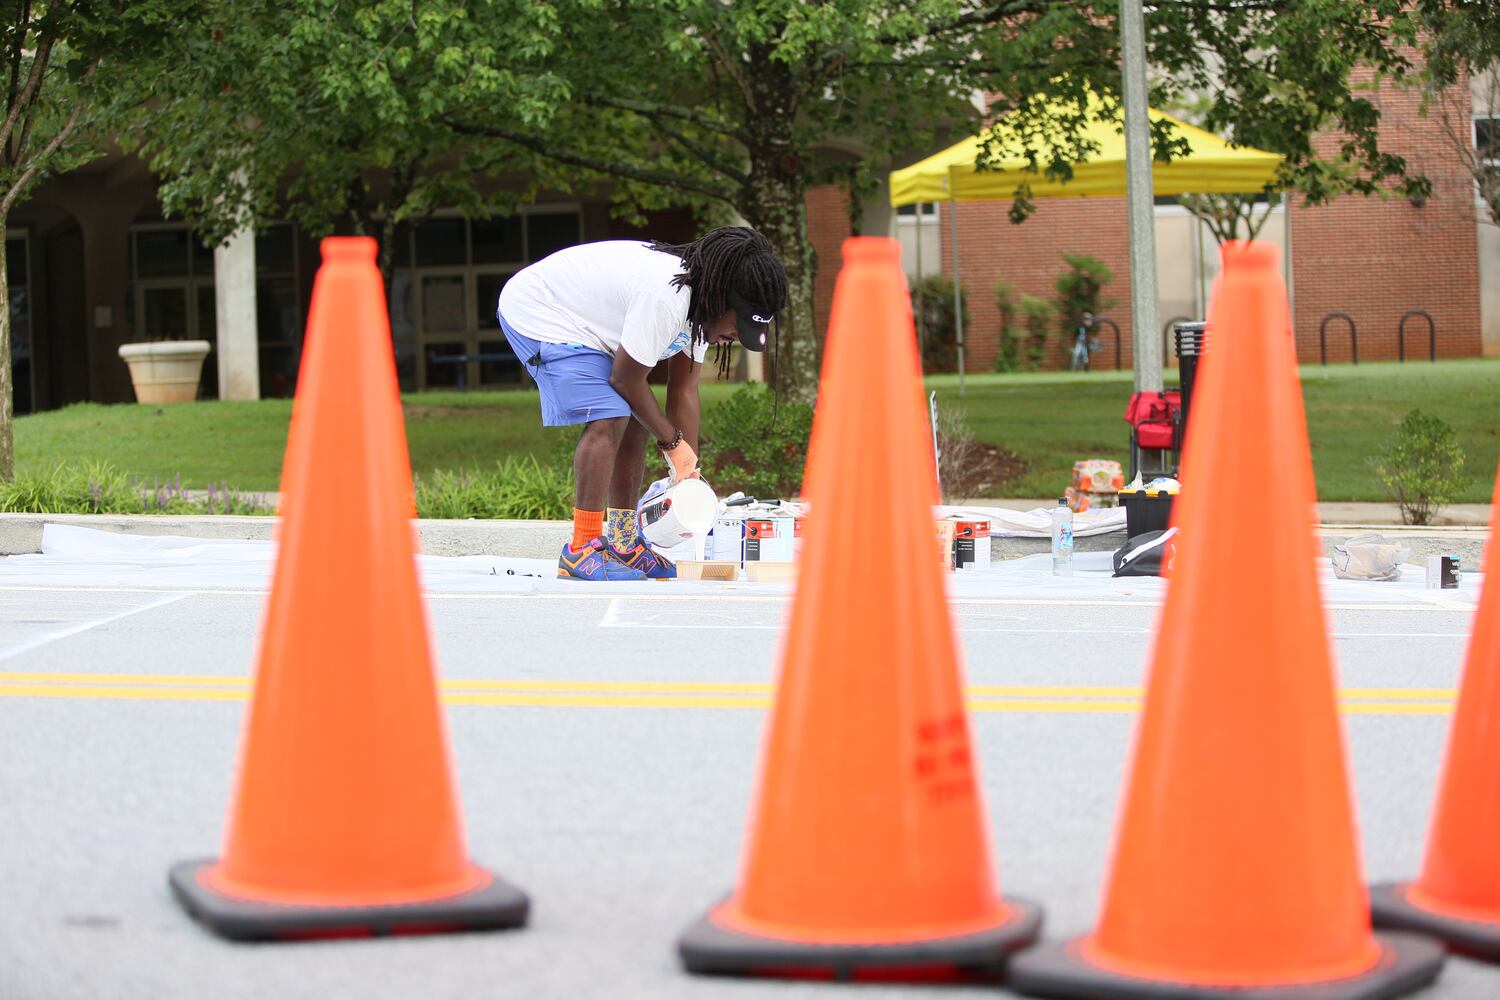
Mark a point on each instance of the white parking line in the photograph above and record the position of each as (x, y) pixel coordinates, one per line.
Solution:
(46, 638)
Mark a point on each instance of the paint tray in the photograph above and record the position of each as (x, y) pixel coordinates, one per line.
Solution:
(707, 569)
(771, 572)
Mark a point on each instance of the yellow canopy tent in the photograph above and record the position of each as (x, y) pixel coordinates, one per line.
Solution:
(1211, 166)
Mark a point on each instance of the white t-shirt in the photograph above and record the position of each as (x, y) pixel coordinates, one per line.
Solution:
(607, 295)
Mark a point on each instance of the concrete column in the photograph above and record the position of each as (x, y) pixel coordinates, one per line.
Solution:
(1489, 287)
(234, 305)
(877, 217)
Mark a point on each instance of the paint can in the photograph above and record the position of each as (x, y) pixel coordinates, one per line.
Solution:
(770, 539)
(971, 545)
(727, 540)
(682, 512)
(1443, 572)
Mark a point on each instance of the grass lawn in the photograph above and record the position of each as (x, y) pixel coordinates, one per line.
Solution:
(1048, 419)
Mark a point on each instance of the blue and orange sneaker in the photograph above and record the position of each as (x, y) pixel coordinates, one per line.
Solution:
(595, 561)
(643, 558)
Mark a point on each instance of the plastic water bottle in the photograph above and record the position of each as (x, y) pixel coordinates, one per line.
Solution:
(1062, 538)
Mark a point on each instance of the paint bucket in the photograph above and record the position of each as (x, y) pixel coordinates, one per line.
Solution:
(682, 512)
(728, 538)
(971, 545)
(770, 538)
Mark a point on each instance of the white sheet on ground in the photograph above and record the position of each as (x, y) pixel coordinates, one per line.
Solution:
(85, 557)
(1037, 523)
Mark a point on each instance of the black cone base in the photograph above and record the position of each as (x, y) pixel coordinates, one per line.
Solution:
(495, 906)
(1407, 963)
(1389, 907)
(707, 948)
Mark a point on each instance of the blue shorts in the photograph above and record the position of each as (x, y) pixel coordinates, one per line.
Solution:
(573, 379)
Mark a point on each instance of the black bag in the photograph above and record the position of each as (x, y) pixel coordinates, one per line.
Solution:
(1147, 553)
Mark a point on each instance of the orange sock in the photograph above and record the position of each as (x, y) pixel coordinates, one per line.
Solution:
(587, 526)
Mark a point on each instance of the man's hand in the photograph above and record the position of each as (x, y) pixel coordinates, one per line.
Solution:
(683, 460)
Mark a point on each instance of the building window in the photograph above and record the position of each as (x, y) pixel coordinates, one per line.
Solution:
(1487, 140)
(920, 238)
(172, 298)
(447, 281)
(18, 283)
(278, 309)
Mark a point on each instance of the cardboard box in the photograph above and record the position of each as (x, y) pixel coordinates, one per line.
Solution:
(1097, 475)
(971, 545)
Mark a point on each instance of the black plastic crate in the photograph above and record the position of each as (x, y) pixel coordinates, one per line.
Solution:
(1146, 512)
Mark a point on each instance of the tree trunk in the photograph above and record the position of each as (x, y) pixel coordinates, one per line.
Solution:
(7, 393)
(776, 206)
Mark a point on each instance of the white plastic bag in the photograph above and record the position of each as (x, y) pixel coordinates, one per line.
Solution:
(1369, 557)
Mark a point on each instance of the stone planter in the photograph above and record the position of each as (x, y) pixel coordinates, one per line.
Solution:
(166, 371)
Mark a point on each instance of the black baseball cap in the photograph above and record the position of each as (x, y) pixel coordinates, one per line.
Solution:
(752, 321)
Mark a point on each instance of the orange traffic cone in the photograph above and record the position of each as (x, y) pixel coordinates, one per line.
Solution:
(1457, 897)
(345, 821)
(1236, 873)
(867, 854)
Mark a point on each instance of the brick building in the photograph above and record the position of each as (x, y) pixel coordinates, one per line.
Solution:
(1370, 259)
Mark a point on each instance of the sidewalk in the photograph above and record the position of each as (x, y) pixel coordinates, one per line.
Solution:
(1464, 533)
(1383, 515)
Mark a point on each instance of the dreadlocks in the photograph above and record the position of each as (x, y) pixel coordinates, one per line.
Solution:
(735, 260)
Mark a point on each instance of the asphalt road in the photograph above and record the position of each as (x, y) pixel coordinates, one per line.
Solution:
(605, 744)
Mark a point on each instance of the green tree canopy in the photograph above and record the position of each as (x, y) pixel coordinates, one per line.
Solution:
(331, 113)
(70, 72)
(1461, 41)
(747, 104)
(387, 109)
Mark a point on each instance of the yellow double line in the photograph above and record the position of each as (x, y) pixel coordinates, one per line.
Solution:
(487, 693)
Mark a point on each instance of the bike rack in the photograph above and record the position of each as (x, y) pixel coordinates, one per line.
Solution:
(1323, 339)
(1166, 336)
(1100, 321)
(1431, 334)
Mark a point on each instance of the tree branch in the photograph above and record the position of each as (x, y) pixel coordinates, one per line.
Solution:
(28, 93)
(40, 159)
(23, 18)
(651, 109)
(723, 59)
(706, 157)
(983, 17)
(656, 115)
(1227, 7)
(608, 167)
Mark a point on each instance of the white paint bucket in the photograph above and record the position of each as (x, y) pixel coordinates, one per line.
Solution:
(685, 511)
(729, 538)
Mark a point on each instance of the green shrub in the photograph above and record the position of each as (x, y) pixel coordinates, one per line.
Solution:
(1008, 355)
(99, 488)
(1423, 467)
(1036, 317)
(516, 489)
(519, 488)
(751, 444)
(1080, 289)
(932, 304)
